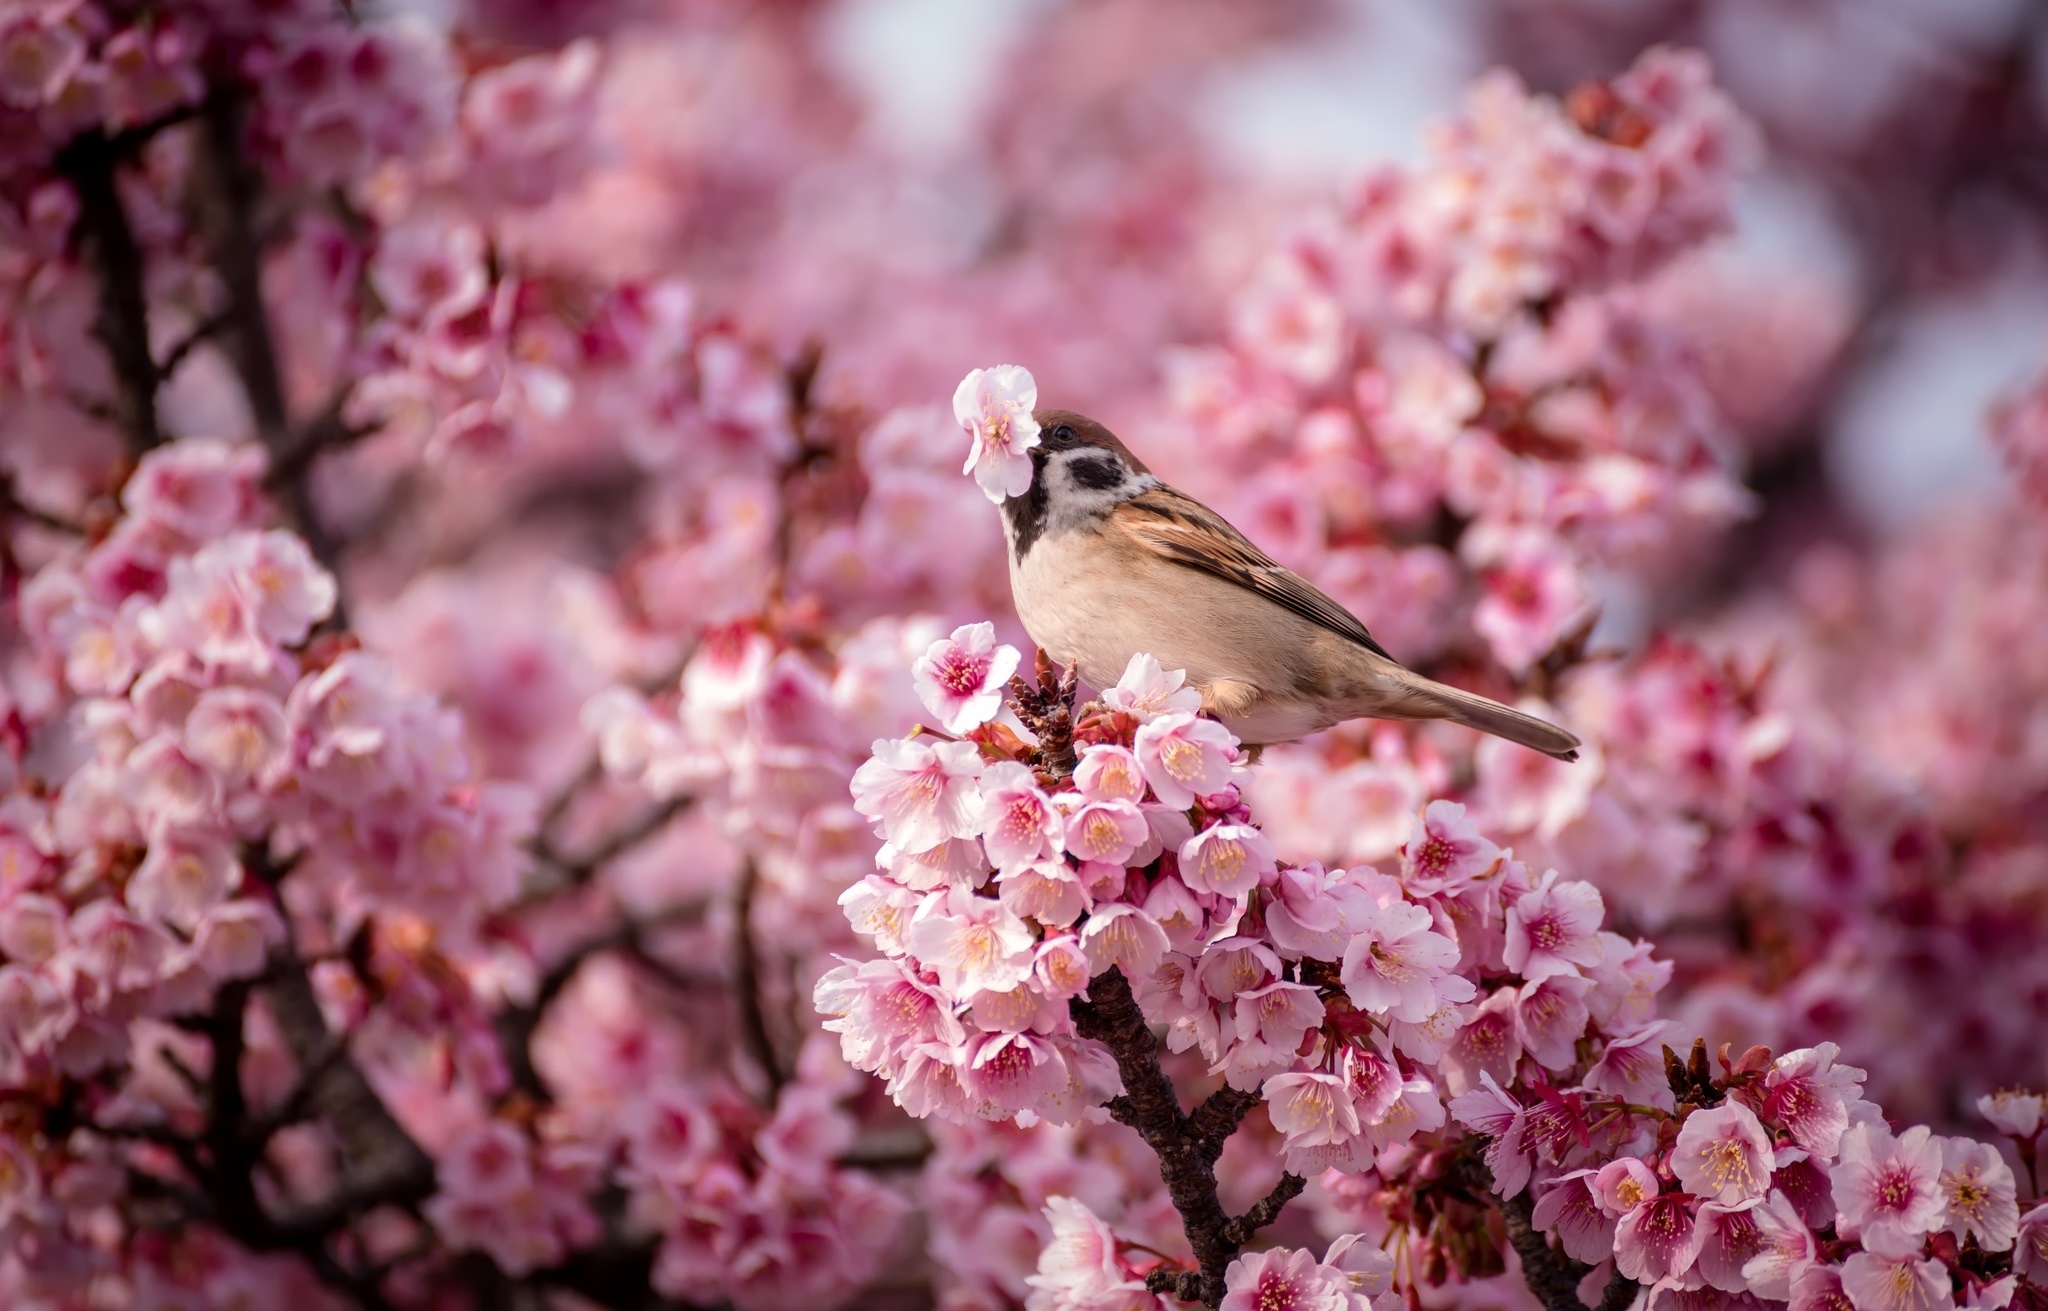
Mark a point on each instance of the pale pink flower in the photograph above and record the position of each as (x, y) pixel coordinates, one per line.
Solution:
(1533, 593)
(430, 267)
(1398, 965)
(1267, 1028)
(1488, 1042)
(185, 874)
(961, 678)
(1876, 1282)
(1657, 1240)
(200, 489)
(1723, 1154)
(881, 909)
(1126, 937)
(207, 613)
(1147, 691)
(1623, 1184)
(238, 733)
(1049, 892)
(1368, 1269)
(919, 794)
(33, 928)
(1890, 1188)
(167, 786)
(975, 943)
(1105, 832)
(1079, 1268)
(880, 1009)
(1980, 1192)
(1489, 1111)
(1551, 1018)
(1445, 850)
(287, 590)
(1729, 1237)
(1014, 1071)
(994, 405)
(1631, 1067)
(234, 940)
(1785, 1245)
(1626, 983)
(1993, 1296)
(954, 863)
(1019, 826)
(2013, 1112)
(1818, 1287)
(1228, 860)
(1281, 1279)
(1311, 1108)
(2030, 1245)
(1809, 1094)
(1570, 1211)
(1107, 772)
(1062, 969)
(1184, 757)
(1314, 912)
(1553, 929)
(1373, 1079)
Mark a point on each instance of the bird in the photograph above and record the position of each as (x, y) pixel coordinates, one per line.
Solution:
(1107, 561)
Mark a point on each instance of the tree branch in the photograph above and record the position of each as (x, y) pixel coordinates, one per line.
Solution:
(1187, 1147)
(1551, 1275)
(106, 244)
(746, 968)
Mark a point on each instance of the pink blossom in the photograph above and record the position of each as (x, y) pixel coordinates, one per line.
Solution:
(1875, 1282)
(1723, 1154)
(1105, 832)
(994, 405)
(1184, 757)
(1889, 1188)
(1488, 1042)
(199, 489)
(1631, 1067)
(238, 733)
(1569, 1211)
(1125, 937)
(1398, 965)
(1551, 1017)
(1079, 1270)
(961, 678)
(2030, 1245)
(1533, 593)
(1489, 1111)
(1785, 1246)
(1819, 1288)
(975, 944)
(1049, 892)
(1623, 1184)
(1228, 860)
(184, 875)
(1107, 772)
(1146, 691)
(234, 940)
(1445, 850)
(1554, 928)
(1980, 1193)
(1019, 826)
(1268, 1025)
(1014, 1071)
(1809, 1094)
(1311, 1108)
(1315, 912)
(919, 794)
(1284, 1280)
(1658, 1239)
(2013, 1112)
(1730, 1237)
(287, 591)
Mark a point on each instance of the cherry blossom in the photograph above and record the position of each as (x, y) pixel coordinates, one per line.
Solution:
(994, 405)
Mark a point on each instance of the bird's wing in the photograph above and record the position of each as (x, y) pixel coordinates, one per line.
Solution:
(1181, 529)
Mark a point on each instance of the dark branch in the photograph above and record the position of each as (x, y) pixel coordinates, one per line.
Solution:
(106, 244)
(746, 968)
(191, 341)
(1264, 1211)
(1551, 1275)
(1187, 1146)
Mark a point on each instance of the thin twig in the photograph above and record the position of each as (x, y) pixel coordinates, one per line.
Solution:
(746, 968)
(106, 243)
(190, 342)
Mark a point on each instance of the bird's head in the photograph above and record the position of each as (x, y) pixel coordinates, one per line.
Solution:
(1079, 471)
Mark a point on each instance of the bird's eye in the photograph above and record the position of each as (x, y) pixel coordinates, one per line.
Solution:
(1062, 435)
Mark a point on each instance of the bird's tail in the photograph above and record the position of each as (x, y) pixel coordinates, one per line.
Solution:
(1427, 699)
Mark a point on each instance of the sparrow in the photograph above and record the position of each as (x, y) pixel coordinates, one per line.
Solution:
(1107, 561)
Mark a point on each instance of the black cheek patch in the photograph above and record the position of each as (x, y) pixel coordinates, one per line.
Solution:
(1027, 513)
(1097, 473)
